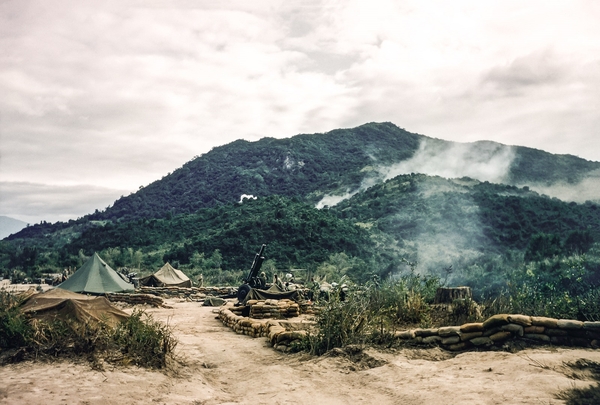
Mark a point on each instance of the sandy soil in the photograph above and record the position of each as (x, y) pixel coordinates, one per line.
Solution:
(222, 367)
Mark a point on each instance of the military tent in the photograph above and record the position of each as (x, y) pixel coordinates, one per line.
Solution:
(63, 304)
(167, 276)
(95, 277)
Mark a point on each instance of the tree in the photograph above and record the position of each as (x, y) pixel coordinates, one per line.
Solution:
(578, 242)
(542, 246)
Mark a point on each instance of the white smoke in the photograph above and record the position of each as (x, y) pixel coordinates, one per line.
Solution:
(246, 196)
(484, 161)
(586, 190)
(329, 200)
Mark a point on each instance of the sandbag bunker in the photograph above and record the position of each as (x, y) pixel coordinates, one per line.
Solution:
(501, 328)
(268, 318)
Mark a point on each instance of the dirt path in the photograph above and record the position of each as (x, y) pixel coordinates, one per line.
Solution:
(222, 367)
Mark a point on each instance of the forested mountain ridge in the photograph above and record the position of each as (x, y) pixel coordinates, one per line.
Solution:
(310, 167)
(337, 163)
(439, 222)
(303, 166)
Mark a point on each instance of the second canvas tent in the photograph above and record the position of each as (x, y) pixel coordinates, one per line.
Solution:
(167, 276)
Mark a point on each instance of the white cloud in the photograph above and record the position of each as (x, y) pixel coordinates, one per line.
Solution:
(118, 94)
(32, 203)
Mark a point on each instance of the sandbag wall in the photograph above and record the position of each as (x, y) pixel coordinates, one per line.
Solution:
(191, 293)
(500, 328)
(136, 299)
(273, 309)
(243, 325)
(278, 332)
(268, 309)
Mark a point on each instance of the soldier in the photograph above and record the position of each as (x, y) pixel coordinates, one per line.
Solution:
(262, 280)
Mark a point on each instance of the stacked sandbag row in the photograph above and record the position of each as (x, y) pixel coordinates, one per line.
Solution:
(191, 293)
(279, 336)
(285, 340)
(308, 307)
(217, 291)
(243, 325)
(136, 299)
(499, 328)
(276, 309)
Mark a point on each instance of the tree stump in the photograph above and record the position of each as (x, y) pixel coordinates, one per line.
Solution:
(446, 295)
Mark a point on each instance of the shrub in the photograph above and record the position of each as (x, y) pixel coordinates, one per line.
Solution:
(15, 330)
(144, 341)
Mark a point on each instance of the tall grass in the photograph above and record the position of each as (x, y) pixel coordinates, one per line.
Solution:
(15, 330)
(371, 313)
(144, 341)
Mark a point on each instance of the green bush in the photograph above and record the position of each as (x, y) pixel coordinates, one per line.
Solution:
(15, 330)
(144, 341)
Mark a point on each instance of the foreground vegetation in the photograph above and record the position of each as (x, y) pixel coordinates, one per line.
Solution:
(140, 340)
(371, 313)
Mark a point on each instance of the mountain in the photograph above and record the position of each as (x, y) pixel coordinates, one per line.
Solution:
(375, 199)
(9, 226)
(325, 168)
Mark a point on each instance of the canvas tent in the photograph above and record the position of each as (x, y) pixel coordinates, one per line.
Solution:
(167, 276)
(63, 304)
(95, 277)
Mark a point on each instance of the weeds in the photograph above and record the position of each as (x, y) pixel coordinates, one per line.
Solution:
(144, 341)
(15, 330)
(371, 313)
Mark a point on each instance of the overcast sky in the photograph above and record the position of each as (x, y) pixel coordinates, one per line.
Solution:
(100, 98)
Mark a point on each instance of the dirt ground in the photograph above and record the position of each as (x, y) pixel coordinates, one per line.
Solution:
(222, 367)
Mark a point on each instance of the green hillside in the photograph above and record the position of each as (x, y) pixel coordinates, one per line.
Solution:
(304, 166)
(462, 230)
